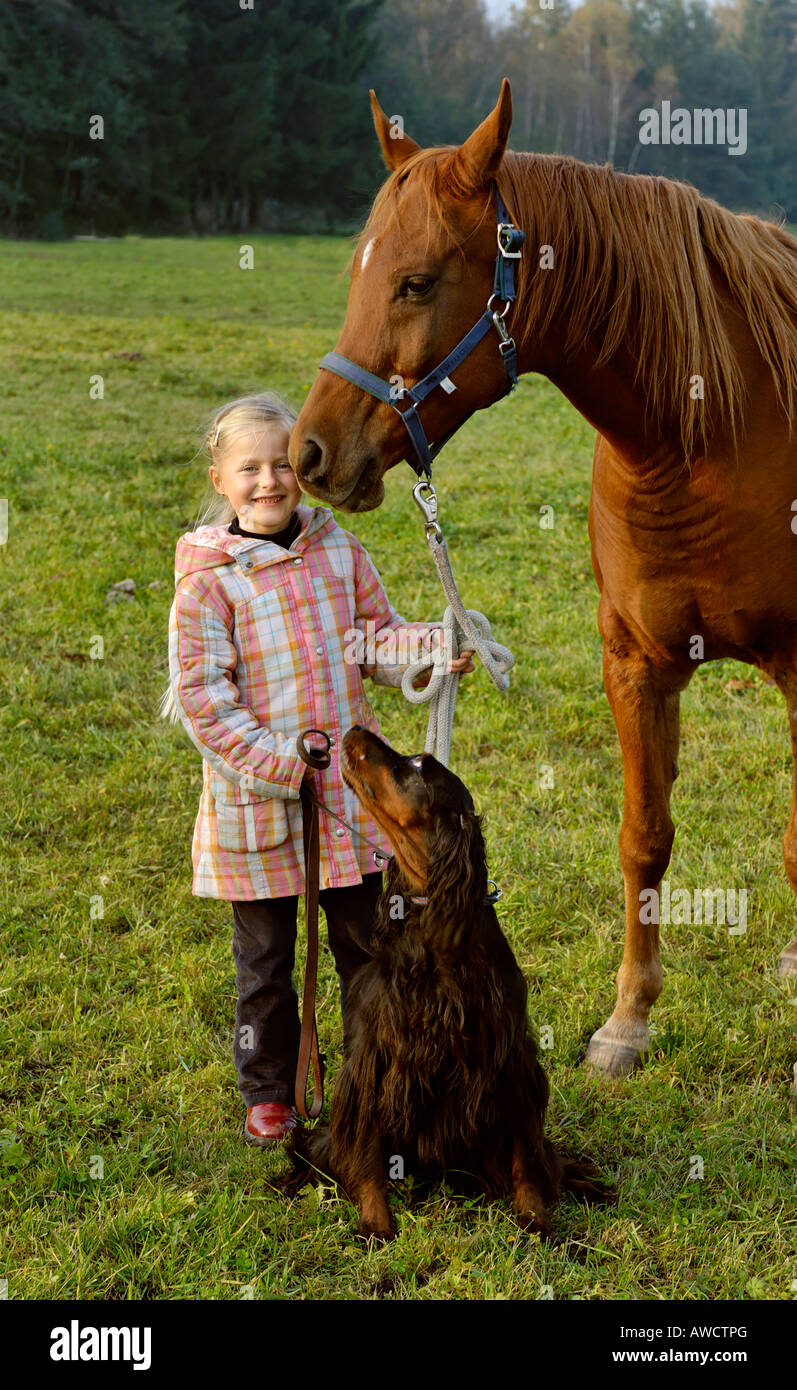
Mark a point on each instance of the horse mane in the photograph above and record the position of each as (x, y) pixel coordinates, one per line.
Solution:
(633, 261)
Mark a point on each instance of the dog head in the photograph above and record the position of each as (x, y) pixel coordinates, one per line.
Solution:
(426, 812)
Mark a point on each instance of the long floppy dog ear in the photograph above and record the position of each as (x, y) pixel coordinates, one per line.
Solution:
(390, 908)
(457, 883)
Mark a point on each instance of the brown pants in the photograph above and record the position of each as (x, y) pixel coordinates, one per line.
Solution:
(267, 1025)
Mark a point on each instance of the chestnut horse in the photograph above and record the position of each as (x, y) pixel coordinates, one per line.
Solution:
(671, 325)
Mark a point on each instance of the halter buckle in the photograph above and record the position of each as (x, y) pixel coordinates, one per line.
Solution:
(509, 236)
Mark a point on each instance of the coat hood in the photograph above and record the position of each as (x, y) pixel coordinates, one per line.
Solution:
(211, 546)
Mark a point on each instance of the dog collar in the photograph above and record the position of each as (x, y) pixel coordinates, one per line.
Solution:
(491, 897)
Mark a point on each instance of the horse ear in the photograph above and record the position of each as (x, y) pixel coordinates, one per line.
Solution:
(478, 160)
(396, 148)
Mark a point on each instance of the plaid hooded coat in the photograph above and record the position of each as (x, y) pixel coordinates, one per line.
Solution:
(257, 644)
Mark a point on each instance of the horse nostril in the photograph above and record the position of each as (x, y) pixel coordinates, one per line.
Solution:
(312, 462)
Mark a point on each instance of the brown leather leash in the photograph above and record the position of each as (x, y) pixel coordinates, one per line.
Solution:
(308, 1043)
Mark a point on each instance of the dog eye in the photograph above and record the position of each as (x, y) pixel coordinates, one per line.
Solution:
(408, 772)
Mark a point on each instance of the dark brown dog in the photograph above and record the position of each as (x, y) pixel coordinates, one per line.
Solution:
(440, 1069)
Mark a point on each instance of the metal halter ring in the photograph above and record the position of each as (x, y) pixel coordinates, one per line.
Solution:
(314, 757)
(495, 313)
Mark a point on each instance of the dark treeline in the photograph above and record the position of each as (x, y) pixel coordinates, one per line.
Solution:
(253, 114)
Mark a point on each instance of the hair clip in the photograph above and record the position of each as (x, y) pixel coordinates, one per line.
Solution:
(215, 439)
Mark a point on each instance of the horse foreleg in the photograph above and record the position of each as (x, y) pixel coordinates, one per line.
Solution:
(787, 965)
(787, 681)
(645, 703)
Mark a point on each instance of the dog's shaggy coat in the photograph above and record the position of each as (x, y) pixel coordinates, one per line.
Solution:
(440, 1068)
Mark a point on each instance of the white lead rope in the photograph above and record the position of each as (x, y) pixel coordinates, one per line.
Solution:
(459, 630)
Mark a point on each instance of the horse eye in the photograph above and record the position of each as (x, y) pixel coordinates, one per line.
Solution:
(418, 284)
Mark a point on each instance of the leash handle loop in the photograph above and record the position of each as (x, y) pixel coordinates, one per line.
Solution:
(317, 758)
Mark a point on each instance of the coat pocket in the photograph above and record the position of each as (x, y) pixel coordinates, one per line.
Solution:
(246, 826)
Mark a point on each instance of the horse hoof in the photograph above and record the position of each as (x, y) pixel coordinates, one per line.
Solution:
(612, 1055)
(787, 965)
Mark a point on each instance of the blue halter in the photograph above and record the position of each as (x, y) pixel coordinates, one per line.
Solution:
(510, 240)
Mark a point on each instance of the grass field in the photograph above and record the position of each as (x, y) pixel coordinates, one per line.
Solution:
(117, 1030)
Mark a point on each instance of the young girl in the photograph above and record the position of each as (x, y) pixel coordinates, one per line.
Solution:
(266, 592)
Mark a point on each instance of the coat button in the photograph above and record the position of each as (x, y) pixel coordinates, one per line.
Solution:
(340, 830)
(331, 740)
(319, 650)
(298, 560)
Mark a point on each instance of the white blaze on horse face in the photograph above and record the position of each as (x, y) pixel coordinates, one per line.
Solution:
(366, 253)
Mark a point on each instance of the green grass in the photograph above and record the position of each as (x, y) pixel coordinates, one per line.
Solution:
(117, 1030)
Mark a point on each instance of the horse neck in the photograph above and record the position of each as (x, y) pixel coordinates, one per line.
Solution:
(604, 395)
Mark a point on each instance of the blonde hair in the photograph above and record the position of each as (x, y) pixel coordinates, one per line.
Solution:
(221, 431)
(218, 434)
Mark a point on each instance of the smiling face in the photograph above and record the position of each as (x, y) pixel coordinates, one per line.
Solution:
(256, 476)
(415, 800)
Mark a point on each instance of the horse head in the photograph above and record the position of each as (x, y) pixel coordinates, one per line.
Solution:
(422, 275)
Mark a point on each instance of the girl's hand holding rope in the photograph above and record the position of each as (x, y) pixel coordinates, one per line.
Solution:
(461, 663)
